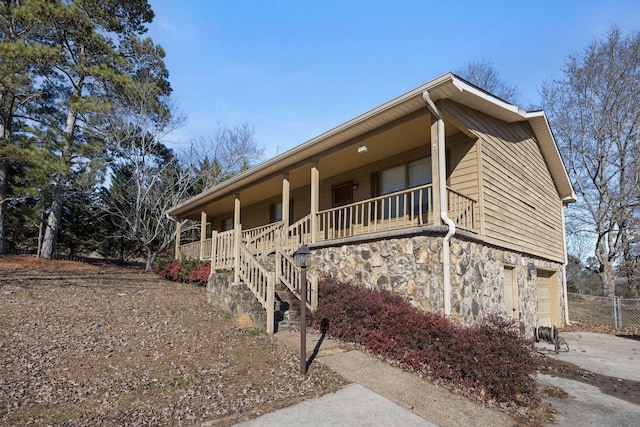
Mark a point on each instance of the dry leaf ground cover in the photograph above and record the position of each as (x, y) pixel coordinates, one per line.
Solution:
(90, 344)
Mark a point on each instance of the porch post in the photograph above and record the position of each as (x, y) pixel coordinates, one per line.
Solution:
(203, 232)
(271, 297)
(214, 248)
(315, 190)
(435, 169)
(285, 200)
(236, 253)
(236, 211)
(238, 238)
(178, 232)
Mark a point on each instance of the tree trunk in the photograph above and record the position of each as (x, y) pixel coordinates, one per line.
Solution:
(5, 135)
(151, 258)
(53, 220)
(55, 214)
(608, 276)
(3, 208)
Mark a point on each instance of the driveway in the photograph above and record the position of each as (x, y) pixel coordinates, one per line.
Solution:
(608, 397)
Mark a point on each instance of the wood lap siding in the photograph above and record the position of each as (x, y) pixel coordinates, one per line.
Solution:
(522, 208)
(464, 165)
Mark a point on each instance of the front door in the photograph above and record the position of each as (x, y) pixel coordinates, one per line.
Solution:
(342, 195)
(510, 293)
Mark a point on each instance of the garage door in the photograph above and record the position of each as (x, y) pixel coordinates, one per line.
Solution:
(544, 309)
(548, 309)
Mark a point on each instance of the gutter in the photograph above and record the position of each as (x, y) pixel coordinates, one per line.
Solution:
(564, 268)
(442, 188)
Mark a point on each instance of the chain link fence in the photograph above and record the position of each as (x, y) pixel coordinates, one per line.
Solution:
(617, 312)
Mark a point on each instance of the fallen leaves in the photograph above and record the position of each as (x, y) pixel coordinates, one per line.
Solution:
(98, 344)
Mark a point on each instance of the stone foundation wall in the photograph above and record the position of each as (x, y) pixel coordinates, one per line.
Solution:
(236, 298)
(412, 267)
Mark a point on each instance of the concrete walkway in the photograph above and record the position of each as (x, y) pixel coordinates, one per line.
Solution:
(382, 395)
(354, 405)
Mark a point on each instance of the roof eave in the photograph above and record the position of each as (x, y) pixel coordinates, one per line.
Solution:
(443, 85)
(446, 86)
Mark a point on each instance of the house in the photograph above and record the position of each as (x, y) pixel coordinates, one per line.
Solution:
(446, 195)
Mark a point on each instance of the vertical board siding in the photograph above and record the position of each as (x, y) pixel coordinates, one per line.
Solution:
(522, 207)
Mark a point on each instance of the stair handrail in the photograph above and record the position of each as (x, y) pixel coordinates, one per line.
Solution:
(262, 239)
(290, 274)
(261, 231)
(295, 234)
(260, 281)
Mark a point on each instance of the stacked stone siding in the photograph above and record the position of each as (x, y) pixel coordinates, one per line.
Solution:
(237, 298)
(412, 267)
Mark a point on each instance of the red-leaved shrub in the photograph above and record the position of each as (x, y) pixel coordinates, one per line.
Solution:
(186, 270)
(200, 274)
(490, 360)
(171, 271)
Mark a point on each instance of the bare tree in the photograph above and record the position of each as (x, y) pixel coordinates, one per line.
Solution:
(629, 268)
(484, 75)
(146, 176)
(229, 151)
(595, 113)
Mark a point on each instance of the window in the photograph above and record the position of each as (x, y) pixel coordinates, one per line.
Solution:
(275, 211)
(402, 177)
(227, 224)
(420, 174)
(393, 180)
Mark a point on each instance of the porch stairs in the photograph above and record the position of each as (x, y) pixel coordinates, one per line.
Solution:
(261, 258)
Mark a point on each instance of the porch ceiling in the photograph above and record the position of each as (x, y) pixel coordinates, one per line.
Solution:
(413, 131)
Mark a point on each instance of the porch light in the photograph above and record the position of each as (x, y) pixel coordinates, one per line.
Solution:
(302, 257)
(362, 149)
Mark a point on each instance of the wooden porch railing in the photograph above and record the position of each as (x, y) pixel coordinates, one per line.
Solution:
(388, 212)
(462, 210)
(190, 250)
(289, 274)
(299, 233)
(223, 250)
(238, 250)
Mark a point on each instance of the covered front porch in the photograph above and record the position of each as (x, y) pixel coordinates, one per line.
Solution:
(396, 211)
(396, 169)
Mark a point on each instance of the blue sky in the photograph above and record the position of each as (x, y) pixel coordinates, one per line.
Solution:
(294, 69)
